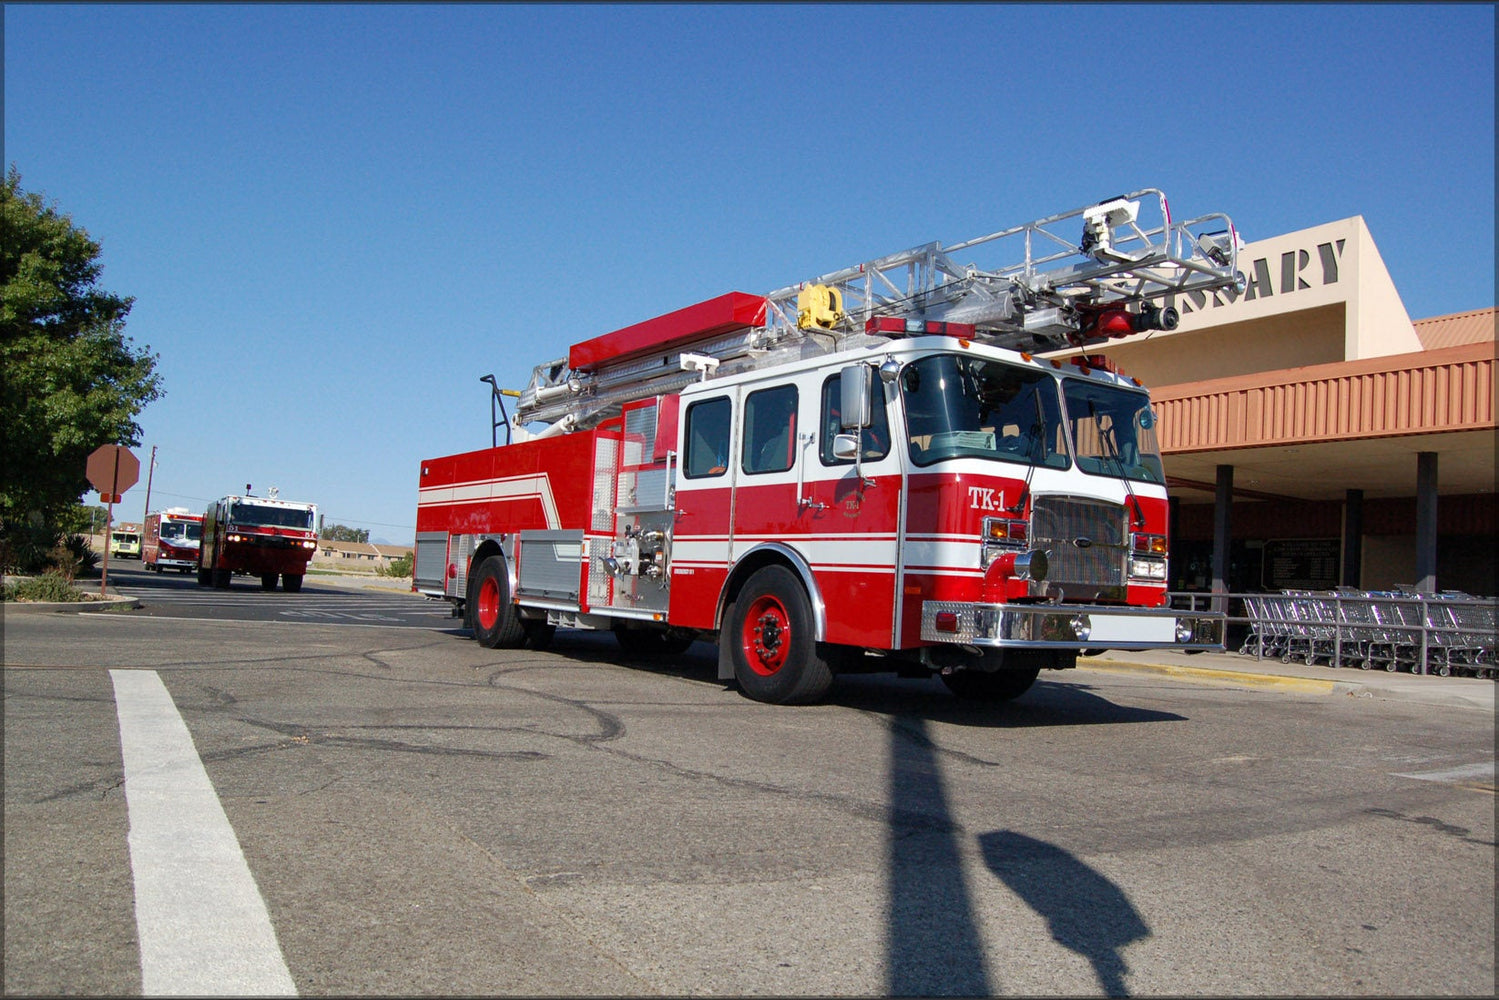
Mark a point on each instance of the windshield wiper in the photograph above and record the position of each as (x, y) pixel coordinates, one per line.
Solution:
(1111, 452)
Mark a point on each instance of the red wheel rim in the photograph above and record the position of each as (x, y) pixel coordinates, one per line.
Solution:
(489, 602)
(766, 638)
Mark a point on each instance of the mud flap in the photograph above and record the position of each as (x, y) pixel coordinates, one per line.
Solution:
(725, 654)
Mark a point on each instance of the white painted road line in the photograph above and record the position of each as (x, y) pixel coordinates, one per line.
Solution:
(1468, 772)
(203, 925)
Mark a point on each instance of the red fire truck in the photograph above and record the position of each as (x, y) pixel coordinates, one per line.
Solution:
(171, 540)
(260, 536)
(896, 467)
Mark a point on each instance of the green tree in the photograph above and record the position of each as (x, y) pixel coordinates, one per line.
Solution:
(84, 519)
(72, 380)
(342, 533)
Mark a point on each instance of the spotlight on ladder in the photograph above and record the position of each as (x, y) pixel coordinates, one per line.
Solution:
(1099, 223)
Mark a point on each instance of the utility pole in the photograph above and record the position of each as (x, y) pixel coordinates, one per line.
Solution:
(150, 473)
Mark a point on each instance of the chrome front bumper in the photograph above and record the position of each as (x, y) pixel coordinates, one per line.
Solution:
(1065, 626)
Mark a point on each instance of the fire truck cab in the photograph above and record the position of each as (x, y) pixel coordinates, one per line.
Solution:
(258, 536)
(172, 538)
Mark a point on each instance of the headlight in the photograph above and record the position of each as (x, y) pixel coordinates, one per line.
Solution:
(1147, 569)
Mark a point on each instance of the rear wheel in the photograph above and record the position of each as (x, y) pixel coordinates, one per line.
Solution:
(204, 577)
(221, 578)
(268, 581)
(496, 623)
(291, 582)
(1001, 685)
(772, 643)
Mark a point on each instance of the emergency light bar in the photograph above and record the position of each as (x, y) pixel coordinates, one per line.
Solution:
(896, 324)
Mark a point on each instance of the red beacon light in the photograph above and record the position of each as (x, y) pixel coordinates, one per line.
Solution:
(1117, 321)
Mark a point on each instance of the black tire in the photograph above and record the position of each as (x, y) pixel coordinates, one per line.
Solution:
(771, 641)
(648, 642)
(497, 624)
(291, 582)
(204, 577)
(221, 579)
(268, 581)
(1001, 685)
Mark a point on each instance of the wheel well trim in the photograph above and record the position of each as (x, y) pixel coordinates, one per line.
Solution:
(774, 554)
(493, 545)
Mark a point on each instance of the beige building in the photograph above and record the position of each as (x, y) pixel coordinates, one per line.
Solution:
(1314, 435)
(355, 557)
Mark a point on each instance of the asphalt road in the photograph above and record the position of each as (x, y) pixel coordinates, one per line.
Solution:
(421, 815)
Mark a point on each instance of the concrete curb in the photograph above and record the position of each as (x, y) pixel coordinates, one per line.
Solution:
(1451, 692)
(1236, 677)
(69, 607)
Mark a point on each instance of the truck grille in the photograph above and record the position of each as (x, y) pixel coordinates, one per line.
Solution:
(1086, 540)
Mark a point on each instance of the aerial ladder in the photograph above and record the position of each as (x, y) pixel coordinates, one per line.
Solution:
(1036, 287)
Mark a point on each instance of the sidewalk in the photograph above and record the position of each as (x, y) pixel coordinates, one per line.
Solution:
(1246, 671)
(360, 581)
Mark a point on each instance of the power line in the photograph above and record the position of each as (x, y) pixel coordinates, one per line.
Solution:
(326, 516)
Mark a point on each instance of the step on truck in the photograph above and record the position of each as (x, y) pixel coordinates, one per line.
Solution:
(257, 536)
(898, 466)
(171, 540)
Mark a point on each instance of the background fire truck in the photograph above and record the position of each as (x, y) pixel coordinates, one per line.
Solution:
(876, 470)
(260, 536)
(125, 541)
(171, 540)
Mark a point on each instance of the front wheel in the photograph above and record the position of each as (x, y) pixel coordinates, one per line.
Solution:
(497, 625)
(268, 581)
(772, 642)
(291, 582)
(1001, 685)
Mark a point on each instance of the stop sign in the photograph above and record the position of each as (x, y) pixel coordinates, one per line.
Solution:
(112, 470)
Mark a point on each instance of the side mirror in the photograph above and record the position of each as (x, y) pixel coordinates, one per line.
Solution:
(853, 402)
(846, 447)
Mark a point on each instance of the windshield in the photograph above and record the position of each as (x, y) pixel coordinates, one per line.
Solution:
(960, 406)
(182, 530)
(1113, 431)
(250, 513)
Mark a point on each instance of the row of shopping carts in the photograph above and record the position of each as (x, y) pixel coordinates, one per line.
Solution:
(1445, 634)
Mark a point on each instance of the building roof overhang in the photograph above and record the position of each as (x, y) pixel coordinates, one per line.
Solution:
(1316, 432)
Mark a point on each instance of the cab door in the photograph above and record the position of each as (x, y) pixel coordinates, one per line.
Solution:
(852, 515)
(704, 507)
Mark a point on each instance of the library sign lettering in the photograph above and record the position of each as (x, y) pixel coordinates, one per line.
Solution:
(1266, 277)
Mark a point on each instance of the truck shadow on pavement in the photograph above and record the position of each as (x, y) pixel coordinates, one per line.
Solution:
(933, 943)
(1059, 702)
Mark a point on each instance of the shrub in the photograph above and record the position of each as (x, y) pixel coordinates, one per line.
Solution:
(71, 556)
(49, 586)
(399, 566)
(28, 548)
(83, 552)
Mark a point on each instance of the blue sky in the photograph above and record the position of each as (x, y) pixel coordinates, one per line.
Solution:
(335, 219)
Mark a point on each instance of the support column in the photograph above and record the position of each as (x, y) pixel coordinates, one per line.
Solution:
(1353, 538)
(1426, 522)
(1222, 506)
